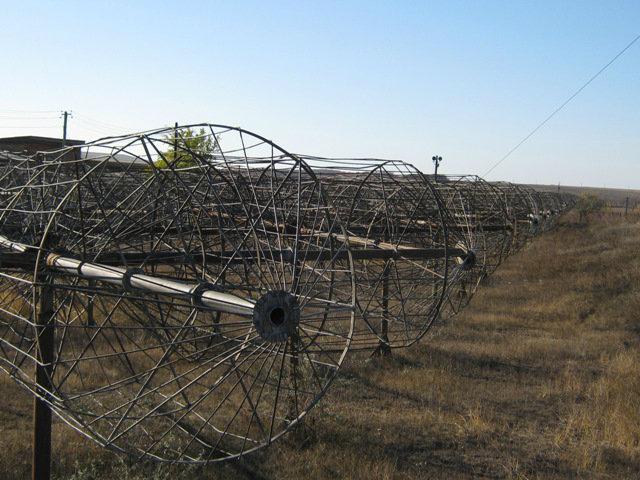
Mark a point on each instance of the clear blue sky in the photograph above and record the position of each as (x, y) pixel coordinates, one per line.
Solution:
(466, 80)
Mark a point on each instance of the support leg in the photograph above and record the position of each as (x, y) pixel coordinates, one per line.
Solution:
(41, 409)
(383, 346)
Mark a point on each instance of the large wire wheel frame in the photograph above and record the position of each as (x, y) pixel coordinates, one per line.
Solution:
(398, 240)
(17, 340)
(521, 213)
(475, 215)
(200, 292)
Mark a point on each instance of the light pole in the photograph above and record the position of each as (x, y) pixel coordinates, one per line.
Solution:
(436, 161)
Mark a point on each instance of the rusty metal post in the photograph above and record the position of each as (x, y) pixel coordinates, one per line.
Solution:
(44, 317)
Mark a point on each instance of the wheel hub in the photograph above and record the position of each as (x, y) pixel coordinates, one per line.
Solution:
(468, 261)
(276, 316)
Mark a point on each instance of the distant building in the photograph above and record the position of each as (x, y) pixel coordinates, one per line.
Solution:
(29, 145)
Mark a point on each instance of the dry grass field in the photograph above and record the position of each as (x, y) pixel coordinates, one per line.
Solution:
(609, 195)
(538, 378)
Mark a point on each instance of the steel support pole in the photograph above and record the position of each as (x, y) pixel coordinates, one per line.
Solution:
(44, 317)
(383, 348)
(383, 345)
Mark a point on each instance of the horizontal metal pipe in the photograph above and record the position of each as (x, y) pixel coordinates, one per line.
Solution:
(107, 263)
(239, 256)
(208, 297)
(16, 247)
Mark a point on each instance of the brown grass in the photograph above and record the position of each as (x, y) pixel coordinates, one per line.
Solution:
(538, 378)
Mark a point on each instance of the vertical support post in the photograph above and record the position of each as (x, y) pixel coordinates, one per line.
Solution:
(44, 317)
(91, 322)
(295, 376)
(383, 345)
(384, 348)
(626, 206)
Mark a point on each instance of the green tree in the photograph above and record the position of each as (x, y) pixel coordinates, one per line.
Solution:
(587, 204)
(185, 145)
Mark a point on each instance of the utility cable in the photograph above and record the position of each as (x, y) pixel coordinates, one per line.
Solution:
(552, 114)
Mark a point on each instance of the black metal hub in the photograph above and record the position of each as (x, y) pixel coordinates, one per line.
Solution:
(276, 316)
(469, 260)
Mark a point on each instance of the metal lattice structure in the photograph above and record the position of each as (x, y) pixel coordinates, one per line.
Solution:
(208, 304)
(396, 232)
(189, 297)
(477, 224)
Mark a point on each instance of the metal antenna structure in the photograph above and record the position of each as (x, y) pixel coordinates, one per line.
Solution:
(187, 294)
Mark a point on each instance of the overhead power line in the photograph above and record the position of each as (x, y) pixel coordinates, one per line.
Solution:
(29, 111)
(552, 114)
(89, 128)
(30, 126)
(102, 124)
(50, 117)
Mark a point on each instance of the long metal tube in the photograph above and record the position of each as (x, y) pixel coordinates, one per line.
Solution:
(208, 297)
